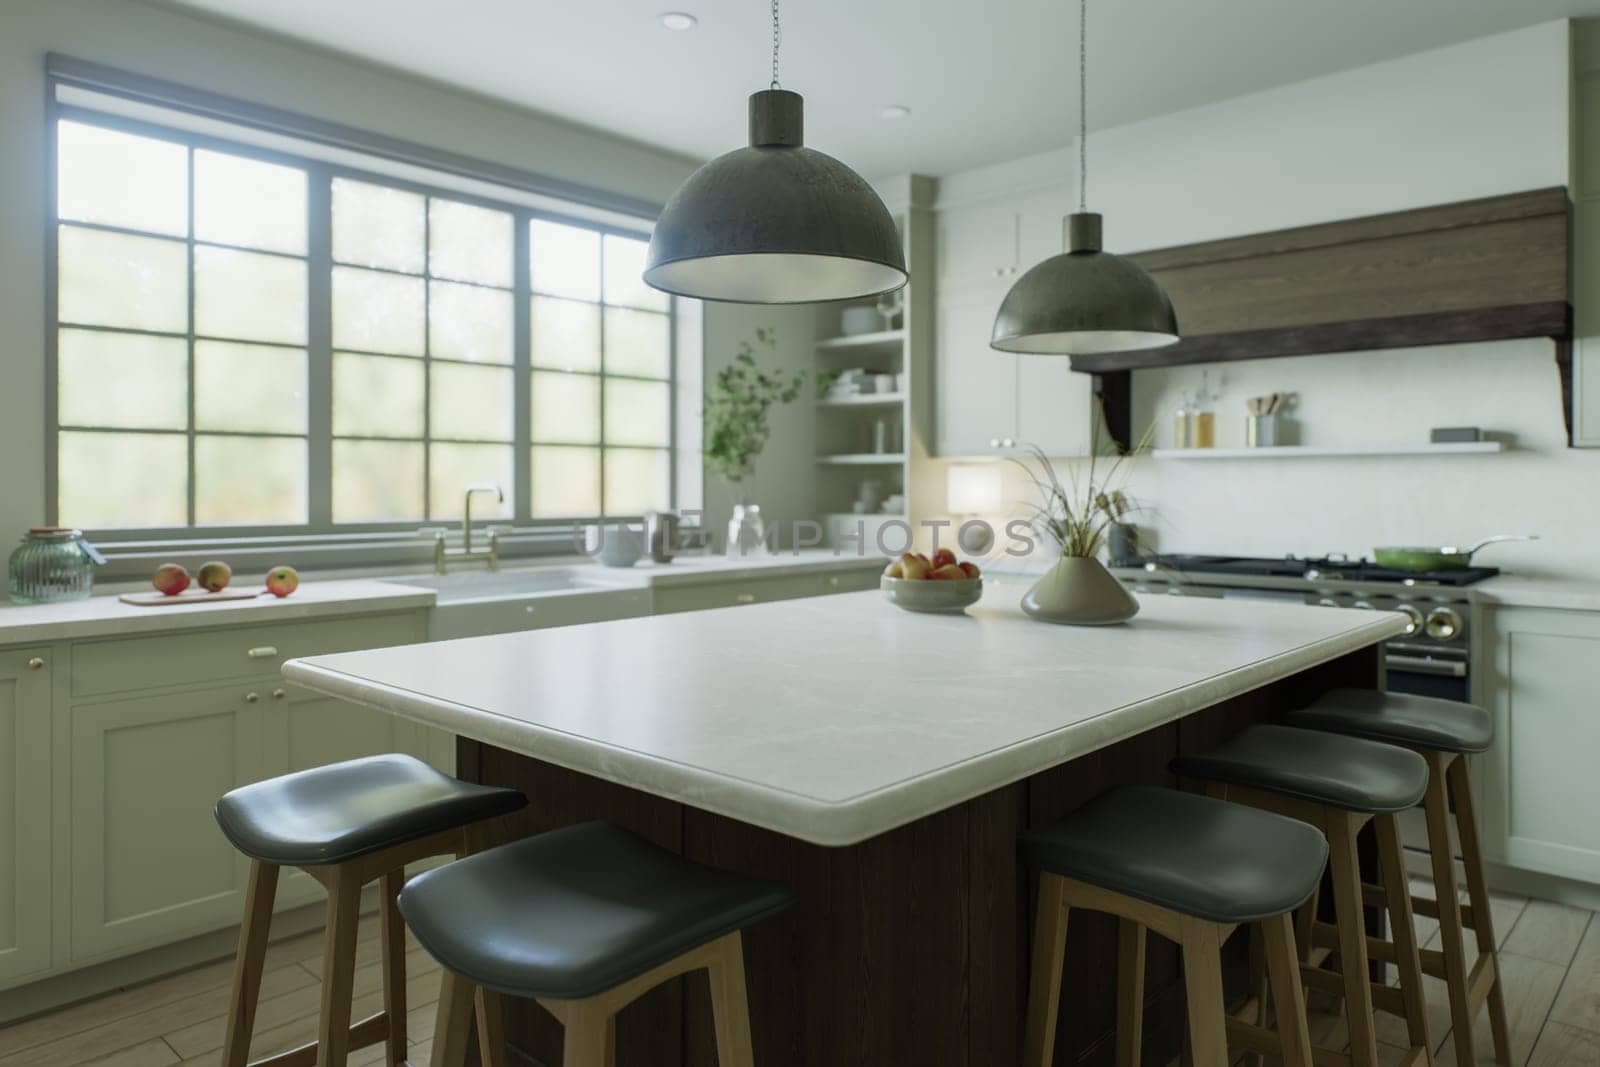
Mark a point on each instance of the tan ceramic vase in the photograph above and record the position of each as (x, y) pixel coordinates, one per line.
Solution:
(1079, 592)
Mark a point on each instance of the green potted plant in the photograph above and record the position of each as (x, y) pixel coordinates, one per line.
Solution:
(1077, 514)
(737, 424)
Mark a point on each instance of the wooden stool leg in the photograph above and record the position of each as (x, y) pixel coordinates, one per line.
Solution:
(392, 931)
(1436, 803)
(1202, 990)
(1044, 981)
(589, 1039)
(1397, 894)
(247, 964)
(1347, 905)
(1460, 782)
(338, 967)
(1257, 989)
(452, 1020)
(730, 1010)
(491, 1028)
(1283, 961)
(1130, 991)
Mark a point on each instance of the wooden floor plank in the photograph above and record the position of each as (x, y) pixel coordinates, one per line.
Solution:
(1561, 1045)
(155, 1053)
(1530, 988)
(1578, 1003)
(1548, 932)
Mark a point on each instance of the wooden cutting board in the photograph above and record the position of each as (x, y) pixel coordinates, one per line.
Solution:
(188, 596)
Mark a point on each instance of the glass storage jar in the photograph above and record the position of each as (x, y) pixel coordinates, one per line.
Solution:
(52, 564)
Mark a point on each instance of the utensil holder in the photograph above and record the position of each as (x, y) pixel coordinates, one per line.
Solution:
(1263, 431)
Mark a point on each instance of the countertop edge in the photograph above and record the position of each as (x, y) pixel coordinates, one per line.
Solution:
(860, 818)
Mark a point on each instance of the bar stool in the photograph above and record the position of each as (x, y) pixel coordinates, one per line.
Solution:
(1193, 869)
(345, 824)
(584, 920)
(1444, 733)
(1339, 784)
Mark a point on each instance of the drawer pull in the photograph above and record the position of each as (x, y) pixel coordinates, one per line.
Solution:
(745, 598)
(834, 582)
(278, 694)
(251, 698)
(35, 664)
(262, 652)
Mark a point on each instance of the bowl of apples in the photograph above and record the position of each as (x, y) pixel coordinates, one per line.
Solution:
(938, 584)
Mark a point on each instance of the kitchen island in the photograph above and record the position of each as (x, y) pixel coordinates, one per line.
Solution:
(880, 762)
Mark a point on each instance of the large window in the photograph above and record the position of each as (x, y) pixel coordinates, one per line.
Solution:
(248, 339)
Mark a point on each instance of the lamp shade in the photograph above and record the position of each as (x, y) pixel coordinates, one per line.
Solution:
(1084, 300)
(775, 223)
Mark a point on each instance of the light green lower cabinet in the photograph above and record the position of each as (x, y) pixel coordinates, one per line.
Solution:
(1540, 791)
(702, 595)
(149, 865)
(24, 812)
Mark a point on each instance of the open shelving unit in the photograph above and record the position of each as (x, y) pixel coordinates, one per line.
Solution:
(1310, 451)
(847, 427)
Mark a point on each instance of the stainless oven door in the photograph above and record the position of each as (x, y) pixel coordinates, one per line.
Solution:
(1428, 673)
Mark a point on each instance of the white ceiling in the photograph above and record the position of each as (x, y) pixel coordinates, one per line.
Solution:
(987, 80)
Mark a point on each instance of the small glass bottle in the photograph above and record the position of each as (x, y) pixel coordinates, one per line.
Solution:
(1204, 434)
(1181, 428)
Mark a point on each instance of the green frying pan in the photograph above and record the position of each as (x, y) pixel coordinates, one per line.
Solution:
(1437, 558)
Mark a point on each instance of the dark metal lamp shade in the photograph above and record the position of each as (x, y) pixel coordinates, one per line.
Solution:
(1084, 300)
(775, 223)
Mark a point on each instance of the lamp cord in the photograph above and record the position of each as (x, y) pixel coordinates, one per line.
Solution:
(777, 39)
(1083, 100)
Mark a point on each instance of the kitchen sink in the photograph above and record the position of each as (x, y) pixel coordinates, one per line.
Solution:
(479, 602)
(488, 585)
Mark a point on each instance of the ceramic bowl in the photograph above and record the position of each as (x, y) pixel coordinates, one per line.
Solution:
(932, 595)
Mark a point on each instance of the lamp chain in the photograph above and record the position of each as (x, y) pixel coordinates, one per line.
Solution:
(777, 39)
(1083, 101)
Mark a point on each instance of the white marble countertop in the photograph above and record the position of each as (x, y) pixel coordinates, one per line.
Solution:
(837, 718)
(104, 616)
(1515, 591)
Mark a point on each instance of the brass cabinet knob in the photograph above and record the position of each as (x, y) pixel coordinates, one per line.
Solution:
(262, 652)
(251, 698)
(279, 694)
(745, 598)
(35, 664)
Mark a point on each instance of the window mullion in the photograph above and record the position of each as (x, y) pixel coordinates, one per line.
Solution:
(189, 155)
(319, 347)
(521, 373)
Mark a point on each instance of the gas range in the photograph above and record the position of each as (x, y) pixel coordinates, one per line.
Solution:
(1433, 657)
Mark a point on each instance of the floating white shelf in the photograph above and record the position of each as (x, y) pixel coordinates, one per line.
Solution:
(861, 400)
(863, 340)
(1309, 451)
(865, 459)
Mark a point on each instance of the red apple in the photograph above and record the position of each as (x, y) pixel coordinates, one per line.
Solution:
(171, 579)
(214, 576)
(914, 567)
(948, 573)
(281, 581)
(942, 556)
(969, 569)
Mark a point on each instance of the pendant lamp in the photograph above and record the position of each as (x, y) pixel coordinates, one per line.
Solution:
(1085, 299)
(776, 222)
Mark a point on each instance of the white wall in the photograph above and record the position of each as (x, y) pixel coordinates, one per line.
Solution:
(1478, 119)
(213, 56)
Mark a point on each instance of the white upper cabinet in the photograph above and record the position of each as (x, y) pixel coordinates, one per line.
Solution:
(991, 402)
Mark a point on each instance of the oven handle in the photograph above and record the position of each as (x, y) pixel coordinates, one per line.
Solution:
(1421, 665)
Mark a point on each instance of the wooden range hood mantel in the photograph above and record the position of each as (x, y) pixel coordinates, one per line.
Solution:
(1479, 270)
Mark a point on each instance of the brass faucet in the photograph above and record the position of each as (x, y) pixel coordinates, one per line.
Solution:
(491, 554)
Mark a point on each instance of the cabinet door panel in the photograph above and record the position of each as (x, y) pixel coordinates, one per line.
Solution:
(24, 813)
(1539, 786)
(1054, 405)
(975, 387)
(978, 241)
(149, 864)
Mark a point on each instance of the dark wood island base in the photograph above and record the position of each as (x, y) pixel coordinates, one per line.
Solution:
(911, 948)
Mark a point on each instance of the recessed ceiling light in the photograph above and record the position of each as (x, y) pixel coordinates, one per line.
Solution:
(895, 111)
(679, 20)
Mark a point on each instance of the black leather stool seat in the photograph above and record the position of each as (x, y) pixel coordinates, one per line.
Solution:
(336, 813)
(1400, 718)
(1342, 772)
(1204, 857)
(576, 911)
